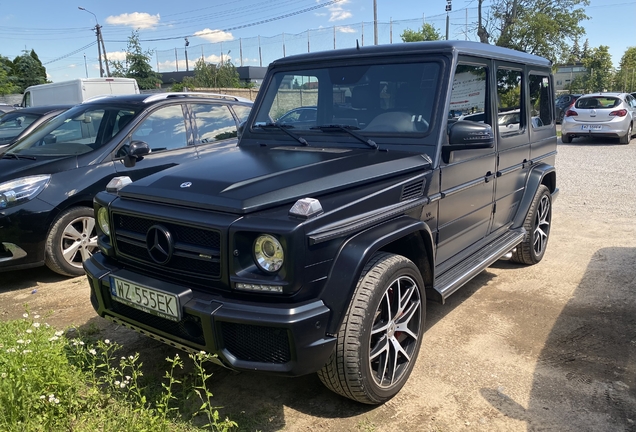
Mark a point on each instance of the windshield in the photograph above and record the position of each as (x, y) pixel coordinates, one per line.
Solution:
(372, 99)
(13, 123)
(77, 131)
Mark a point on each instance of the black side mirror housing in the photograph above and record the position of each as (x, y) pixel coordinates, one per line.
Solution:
(464, 135)
(136, 152)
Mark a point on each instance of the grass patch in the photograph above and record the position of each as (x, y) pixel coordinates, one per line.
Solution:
(49, 382)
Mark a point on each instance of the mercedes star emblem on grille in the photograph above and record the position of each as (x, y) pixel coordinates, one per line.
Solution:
(186, 184)
(160, 244)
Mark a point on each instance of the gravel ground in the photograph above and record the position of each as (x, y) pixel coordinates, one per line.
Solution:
(598, 177)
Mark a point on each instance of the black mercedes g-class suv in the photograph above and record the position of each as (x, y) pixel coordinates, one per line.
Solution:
(314, 245)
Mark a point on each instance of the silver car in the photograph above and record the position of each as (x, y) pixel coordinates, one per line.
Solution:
(609, 115)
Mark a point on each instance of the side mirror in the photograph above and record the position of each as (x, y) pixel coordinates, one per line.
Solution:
(465, 135)
(136, 152)
(241, 128)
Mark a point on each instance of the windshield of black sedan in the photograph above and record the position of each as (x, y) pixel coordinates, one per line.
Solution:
(77, 131)
(13, 123)
(370, 99)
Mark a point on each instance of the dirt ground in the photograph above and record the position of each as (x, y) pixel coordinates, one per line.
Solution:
(545, 348)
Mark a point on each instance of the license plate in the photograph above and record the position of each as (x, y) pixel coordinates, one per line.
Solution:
(591, 127)
(150, 300)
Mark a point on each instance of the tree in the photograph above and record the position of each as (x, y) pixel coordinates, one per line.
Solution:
(626, 75)
(600, 76)
(27, 71)
(211, 75)
(6, 79)
(137, 64)
(427, 33)
(541, 27)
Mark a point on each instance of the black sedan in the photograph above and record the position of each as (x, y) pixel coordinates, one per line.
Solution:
(49, 177)
(18, 123)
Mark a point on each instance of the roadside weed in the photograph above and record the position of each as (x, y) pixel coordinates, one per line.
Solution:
(49, 382)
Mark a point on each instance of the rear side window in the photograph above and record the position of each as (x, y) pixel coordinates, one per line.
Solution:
(540, 105)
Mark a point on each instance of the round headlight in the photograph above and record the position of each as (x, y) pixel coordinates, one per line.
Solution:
(102, 220)
(268, 253)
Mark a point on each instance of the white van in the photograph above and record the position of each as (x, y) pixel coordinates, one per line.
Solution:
(76, 91)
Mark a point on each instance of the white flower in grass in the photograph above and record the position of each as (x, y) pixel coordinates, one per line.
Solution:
(20, 341)
(25, 315)
(117, 382)
(122, 385)
(127, 377)
(81, 343)
(92, 351)
(29, 331)
(3, 375)
(36, 324)
(11, 350)
(26, 351)
(42, 397)
(106, 341)
(36, 316)
(202, 353)
(53, 338)
(59, 333)
(130, 357)
(28, 341)
(56, 400)
(123, 358)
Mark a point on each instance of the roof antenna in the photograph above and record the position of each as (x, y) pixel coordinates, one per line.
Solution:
(357, 44)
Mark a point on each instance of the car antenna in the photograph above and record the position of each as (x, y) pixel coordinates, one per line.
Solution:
(357, 44)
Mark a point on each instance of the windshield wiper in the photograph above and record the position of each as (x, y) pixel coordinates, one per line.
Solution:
(17, 156)
(348, 129)
(284, 128)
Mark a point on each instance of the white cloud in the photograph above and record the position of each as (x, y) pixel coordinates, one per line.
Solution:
(346, 29)
(338, 13)
(214, 35)
(72, 66)
(116, 56)
(136, 20)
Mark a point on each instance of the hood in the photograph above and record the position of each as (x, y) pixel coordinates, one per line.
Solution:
(11, 169)
(247, 179)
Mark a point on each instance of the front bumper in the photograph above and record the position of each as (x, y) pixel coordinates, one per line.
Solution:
(23, 231)
(286, 339)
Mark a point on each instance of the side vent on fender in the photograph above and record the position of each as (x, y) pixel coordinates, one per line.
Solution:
(412, 190)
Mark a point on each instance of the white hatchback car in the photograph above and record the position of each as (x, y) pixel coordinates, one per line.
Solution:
(610, 115)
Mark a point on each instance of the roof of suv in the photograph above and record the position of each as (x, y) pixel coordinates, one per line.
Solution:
(155, 97)
(461, 47)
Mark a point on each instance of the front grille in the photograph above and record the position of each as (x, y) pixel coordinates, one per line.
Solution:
(196, 255)
(189, 328)
(256, 343)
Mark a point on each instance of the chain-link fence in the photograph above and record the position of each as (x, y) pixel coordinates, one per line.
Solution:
(260, 50)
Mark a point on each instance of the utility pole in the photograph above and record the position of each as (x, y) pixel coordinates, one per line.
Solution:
(186, 53)
(375, 22)
(449, 7)
(100, 44)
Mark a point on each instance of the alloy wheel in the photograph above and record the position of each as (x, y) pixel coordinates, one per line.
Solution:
(542, 225)
(395, 332)
(79, 241)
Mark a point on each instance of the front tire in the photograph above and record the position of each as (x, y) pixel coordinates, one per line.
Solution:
(537, 224)
(381, 334)
(72, 239)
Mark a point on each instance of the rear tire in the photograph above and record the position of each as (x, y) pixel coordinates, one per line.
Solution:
(628, 136)
(566, 139)
(72, 239)
(537, 224)
(381, 334)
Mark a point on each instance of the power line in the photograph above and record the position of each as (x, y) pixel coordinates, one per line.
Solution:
(71, 53)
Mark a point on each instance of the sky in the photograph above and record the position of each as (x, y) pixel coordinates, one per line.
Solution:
(247, 32)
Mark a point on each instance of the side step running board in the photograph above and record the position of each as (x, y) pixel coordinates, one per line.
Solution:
(453, 279)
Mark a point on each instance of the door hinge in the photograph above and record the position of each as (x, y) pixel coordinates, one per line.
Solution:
(494, 208)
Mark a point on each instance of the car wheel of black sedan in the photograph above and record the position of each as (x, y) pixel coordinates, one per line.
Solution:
(71, 240)
(381, 334)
